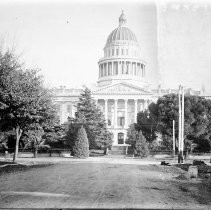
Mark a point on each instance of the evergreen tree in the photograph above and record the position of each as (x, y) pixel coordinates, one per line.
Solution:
(141, 146)
(132, 136)
(81, 145)
(93, 120)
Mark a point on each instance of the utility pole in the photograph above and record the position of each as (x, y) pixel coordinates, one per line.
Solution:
(181, 124)
(174, 139)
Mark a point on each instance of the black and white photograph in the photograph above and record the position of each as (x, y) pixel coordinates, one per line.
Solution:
(105, 104)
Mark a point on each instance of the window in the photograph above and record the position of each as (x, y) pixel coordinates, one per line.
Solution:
(122, 51)
(109, 122)
(116, 68)
(127, 68)
(120, 138)
(109, 68)
(112, 51)
(117, 51)
(123, 67)
(121, 121)
(126, 51)
(101, 72)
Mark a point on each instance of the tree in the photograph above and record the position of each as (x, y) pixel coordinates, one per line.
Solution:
(81, 145)
(197, 115)
(132, 136)
(147, 122)
(25, 100)
(141, 146)
(137, 141)
(93, 120)
(34, 138)
(55, 135)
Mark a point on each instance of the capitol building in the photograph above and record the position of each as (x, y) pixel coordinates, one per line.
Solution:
(122, 89)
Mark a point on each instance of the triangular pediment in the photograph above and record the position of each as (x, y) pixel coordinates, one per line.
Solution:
(121, 89)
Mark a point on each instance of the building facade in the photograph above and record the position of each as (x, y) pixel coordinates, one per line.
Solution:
(122, 89)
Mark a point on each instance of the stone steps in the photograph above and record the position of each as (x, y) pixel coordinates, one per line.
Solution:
(118, 150)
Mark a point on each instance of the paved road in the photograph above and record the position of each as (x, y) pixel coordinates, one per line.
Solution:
(100, 185)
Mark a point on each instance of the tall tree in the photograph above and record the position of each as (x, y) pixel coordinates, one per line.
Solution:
(197, 115)
(147, 122)
(25, 99)
(93, 120)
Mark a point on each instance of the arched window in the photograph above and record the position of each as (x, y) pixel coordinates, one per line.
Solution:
(120, 138)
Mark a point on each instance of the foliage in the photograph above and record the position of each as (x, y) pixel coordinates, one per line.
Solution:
(132, 136)
(93, 121)
(137, 141)
(81, 145)
(55, 135)
(25, 100)
(148, 122)
(197, 115)
(141, 146)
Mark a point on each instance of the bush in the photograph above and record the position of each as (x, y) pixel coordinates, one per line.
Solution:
(81, 144)
(141, 146)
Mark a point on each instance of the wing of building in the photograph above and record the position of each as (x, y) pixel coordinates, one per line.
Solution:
(122, 90)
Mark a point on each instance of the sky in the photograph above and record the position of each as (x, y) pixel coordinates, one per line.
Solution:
(65, 39)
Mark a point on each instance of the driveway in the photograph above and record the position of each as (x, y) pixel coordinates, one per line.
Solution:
(97, 184)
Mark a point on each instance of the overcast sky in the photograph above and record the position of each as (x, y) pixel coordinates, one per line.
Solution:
(66, 38)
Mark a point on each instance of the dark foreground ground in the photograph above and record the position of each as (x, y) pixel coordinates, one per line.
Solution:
(81, 184)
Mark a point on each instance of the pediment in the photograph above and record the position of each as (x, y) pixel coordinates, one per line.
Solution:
(121, 89)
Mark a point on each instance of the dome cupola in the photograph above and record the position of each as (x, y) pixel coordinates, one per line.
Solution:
(122, 19)
(121, 61)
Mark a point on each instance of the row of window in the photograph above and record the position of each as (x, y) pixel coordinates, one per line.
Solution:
(130, 68)
(117, 52)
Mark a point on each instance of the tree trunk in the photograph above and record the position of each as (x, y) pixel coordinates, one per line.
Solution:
(35, 153)
(106, 151)
(18, 132)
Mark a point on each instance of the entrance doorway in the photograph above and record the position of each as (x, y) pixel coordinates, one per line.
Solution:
(120, 138)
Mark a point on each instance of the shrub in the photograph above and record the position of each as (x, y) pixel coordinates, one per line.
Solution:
(81, 144)
(141, 146)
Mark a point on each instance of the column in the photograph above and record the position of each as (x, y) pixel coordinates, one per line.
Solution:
(106, 110)
(63, 112)
(145, 104)
(136, 104)
(141, 107)
(126, 123)
(115, 112)
(112, 68)
(73, 110)
(136, 69)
